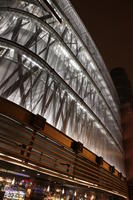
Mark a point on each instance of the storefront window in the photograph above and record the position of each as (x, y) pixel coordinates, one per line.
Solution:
(18, 183)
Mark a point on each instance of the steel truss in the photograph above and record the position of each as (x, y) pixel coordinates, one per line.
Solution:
(76, 79)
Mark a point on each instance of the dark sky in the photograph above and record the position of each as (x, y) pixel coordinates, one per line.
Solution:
(110, 23)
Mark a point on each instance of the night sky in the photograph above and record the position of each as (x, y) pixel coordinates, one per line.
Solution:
(110, 23)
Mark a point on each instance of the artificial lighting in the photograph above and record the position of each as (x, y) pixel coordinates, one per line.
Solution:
(13, 181)
(38, 174)
(28, 192)
(58, 190)
(56, 174)
(20, 183)
(92, 197)
(85, 195)
(63, 191)
(75, 193)
(8, 180)
(32, 61)
(48, 188)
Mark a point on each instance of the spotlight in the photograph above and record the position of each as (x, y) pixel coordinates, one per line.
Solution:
(77, 147)
(38, 122)
(99, 160)
(112, 169)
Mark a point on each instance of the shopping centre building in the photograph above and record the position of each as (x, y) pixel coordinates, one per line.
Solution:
(60, 128)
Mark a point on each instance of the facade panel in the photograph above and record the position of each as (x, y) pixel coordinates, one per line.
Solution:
(47, 68)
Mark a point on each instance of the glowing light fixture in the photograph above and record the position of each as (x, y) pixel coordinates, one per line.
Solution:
(92, 197)
(63, 191)
(85, 196)
(48, 188)
(13, 181)
(75, 193)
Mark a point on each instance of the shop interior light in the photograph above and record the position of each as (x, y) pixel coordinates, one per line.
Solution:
(85, 196)
(38, 174)
(20, 183)
(75, 193)
(63, 191)
(8, 180)
(13, 181)
(56, 174)
(28, 192)
(92, 197)
(48, 188)
(58, 190)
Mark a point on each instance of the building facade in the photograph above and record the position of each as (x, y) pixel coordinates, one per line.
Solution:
(124, 89)
(50, 66)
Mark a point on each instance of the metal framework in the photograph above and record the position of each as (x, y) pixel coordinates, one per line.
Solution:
(46, 68)
(39, 146)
